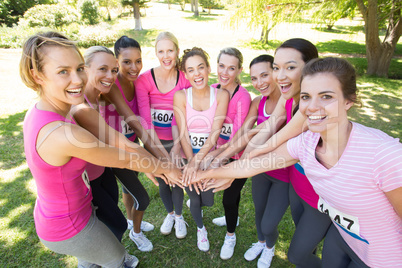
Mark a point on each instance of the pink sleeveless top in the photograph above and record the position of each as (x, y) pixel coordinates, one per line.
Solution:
(63, 206)
(94, 171)
(199, 123)
(298, 178)
(115, 120)
(280, 174)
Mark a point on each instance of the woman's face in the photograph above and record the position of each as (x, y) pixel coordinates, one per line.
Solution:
(322, 102)
(166, 53)
(197, 72)
(63, 77)
(130, 63)
(228, 70)
(102, 71)
(287, 69)
(262, 79)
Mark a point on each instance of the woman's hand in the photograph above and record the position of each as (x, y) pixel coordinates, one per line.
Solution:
(217, 185)
(206, 161)
(175, 156)
(153, 178)
(190, 172)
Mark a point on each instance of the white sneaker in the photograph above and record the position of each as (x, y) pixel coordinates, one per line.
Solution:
(180, 227)
(130, 260)
(188, 203)
(202, 239)
(129, 224)
(167, 224)
(146, 226)
(228, 247)
(266, 257)
(221, 221)
(141, 241)
(254, 251)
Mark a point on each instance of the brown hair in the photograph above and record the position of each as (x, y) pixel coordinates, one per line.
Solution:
(32, 57)
(195, 51)
(341, 69)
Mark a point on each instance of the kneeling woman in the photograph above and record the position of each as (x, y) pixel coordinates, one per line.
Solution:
(350, 166)
(199, 111)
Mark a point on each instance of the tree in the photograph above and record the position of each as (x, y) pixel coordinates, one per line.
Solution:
(376, 14)
(329, 12)
(12, 10)
(196, 12)
(108, 4)
(89, 11)
(209, 4)
(136, 4)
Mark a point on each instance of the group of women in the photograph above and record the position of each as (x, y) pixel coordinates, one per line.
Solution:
(341, 179)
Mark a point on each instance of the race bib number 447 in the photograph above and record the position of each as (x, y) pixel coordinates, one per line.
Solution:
(348, 223)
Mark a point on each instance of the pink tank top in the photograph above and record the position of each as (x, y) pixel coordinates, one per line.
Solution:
(94, 171)
(63, 205)
(115, 120)
(298, 178)
(199, 123)
(238, 108)
(280, 174)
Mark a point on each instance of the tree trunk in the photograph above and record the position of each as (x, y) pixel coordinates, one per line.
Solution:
(209, 11)
(192, 5)
(379, 54)
(137, 17)
(264, 35)
(168, 4)
(196, 12)
(183, 5)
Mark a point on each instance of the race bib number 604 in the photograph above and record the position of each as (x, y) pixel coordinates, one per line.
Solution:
(162, 118)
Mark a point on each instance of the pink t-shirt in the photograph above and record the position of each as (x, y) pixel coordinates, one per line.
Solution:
(156, 108)
(299, 181)
(63, 205)
(352, 191)
(282, 173)
(199, 123)
(237, 112)
(115, 120)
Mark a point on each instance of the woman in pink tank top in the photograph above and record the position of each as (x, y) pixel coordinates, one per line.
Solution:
(199, 112)
(57, 151)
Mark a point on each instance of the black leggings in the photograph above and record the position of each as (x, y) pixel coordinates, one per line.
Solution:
(129, 179)
(311, 227)
(105, 196)
(337, 254)
(230, 201)
(197, 201)
(271, 199)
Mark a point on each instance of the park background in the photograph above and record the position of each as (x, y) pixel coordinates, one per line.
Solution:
(211, 30)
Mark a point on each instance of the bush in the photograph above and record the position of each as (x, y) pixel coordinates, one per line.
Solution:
(89, 11)
(98, 35)
(53, 16)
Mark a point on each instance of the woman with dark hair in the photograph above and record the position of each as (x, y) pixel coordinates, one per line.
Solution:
(354, 169)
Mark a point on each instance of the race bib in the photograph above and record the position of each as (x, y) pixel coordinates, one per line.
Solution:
(348, 223)
(226, 131)
(198, 140)
(85, 178)
(126, 129)
(299, 168)
(162, 118)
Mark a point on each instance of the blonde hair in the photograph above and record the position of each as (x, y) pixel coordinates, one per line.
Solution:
(90, 53)
(32, 57)
(169, 36)
(232, 51)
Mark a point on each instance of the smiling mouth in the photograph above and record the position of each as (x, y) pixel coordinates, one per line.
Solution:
(285, 87)
(76, 91)
(105, 84)
(316, 118)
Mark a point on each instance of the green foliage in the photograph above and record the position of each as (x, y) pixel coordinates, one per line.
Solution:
(53, 16)
(209, 4)
(89, 11)
(12, 10)
(329, 12)
(97, 35)
(142, 3)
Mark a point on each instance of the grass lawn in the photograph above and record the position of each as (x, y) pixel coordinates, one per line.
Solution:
(381, 108)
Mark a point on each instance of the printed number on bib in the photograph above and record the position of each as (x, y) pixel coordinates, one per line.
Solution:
(85, 178)
(226, 131)
(126, 129)
(348, 223)
(198, 140)
(162, 118)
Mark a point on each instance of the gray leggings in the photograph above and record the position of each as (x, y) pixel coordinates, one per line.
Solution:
(337, 254)
(198, 201)
(172, 197)
(271, 199)
(94, 246)
(311, 227)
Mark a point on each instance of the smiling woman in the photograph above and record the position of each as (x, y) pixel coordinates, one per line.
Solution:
(58, 151)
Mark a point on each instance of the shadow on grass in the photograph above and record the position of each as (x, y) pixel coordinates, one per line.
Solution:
(338, 29)
(341, 47)
(259, 45)
(145, 37)
(394, 71)
(200, 18)
(11, 141)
